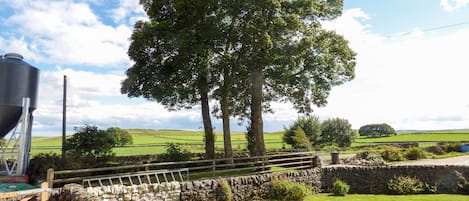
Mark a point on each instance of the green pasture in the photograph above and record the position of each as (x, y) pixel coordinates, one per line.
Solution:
(368, 197)
(452, 136)
(154, 141)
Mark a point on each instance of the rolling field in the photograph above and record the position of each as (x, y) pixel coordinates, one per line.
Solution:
(154, 141)
(437, 136)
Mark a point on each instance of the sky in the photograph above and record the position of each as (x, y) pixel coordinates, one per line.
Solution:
(411, 72)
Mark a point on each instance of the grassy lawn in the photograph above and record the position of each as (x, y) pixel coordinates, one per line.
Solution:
(367, 197)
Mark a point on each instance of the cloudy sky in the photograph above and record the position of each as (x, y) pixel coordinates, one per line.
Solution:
(412, 65)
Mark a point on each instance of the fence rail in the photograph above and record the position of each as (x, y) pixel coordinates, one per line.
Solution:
(197, 168)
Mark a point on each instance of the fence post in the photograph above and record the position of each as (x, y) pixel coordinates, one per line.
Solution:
(213, 167)
(263, 164)
(316, 162)
(50, 178)
(44, 195)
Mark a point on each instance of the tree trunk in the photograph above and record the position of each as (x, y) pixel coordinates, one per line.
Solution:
(225, 103)
(256, 110)
(209, 137)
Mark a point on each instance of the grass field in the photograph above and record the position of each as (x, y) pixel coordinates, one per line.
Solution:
(418, 137)
(154, 141)
(367, 197)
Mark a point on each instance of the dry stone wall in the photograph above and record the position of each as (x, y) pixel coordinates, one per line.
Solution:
(375, 179)
(255, 187)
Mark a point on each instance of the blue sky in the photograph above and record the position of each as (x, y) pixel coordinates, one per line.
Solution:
(405, 76)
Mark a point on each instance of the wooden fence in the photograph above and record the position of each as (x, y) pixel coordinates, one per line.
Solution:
(197, 169)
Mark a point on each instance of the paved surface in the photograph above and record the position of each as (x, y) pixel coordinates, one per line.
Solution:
(460, 160)
(327, 158)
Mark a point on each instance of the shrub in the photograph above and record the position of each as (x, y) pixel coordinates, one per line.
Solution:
(415, 153)
(301, 140)
(404, 185)
(337, 131)
(225, 192)
(122, 137)
(452, 147)
(391, 153)
(91, 146)
(311, 127)
(429, 189)
(438, 150)
(174, 152)
(340, 188)
(298, 191)
(285, 190)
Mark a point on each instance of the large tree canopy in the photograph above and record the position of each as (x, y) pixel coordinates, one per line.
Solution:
(173, 55)
(286, 54)
(242, 53)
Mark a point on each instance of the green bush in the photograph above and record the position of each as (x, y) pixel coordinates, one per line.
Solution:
(301, 140)
(404, 185)
(285, 190)
(415, 153)
(429, 189)
(391, 153)
(174, 152)
(311, 127)
(225, 192)
(437, 150)
(451, 147)
(336, 131)
(340, 188)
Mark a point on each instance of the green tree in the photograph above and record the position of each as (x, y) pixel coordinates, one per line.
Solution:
(286, 55)
(301, 140)
(173, 55)
(90, 142)
(122, 137)
(337, 131)
(376, 130)
(309, 124)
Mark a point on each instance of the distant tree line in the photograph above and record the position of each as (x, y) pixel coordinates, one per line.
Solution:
(376, 130)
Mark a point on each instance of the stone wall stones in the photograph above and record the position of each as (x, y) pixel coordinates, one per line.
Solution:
(361, 179)
(244, 188)
(375, 179)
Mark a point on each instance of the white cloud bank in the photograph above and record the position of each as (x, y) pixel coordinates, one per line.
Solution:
(66, 32)
(413, 82)
(451, 5)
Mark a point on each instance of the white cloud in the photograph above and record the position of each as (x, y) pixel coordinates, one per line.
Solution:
(67, 32)
(451, 5)
(94, 98)
(414, 81)
(128, 10)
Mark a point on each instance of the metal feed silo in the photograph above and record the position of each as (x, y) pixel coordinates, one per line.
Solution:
(18, 79)
(18, 98)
